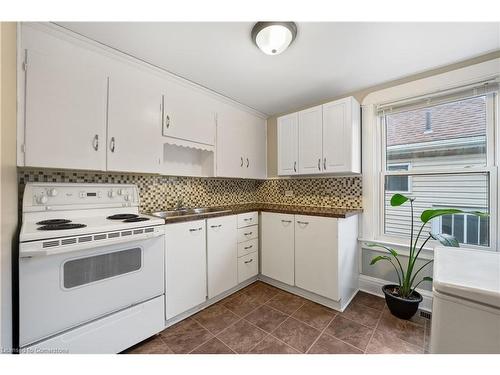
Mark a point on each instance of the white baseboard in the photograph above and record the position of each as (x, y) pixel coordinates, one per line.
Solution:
(374, 286)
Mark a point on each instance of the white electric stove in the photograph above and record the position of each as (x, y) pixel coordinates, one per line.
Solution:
(91, 269)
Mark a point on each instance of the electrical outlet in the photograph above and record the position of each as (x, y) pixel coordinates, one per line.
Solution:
(288, 193)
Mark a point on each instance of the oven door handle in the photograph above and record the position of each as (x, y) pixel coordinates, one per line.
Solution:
(30, 250)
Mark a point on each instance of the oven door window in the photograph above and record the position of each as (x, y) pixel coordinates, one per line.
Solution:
(82, 271)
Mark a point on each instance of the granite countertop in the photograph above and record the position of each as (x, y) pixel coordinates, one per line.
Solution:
(266, 207)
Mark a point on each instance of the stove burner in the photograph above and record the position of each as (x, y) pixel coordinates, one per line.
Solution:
(61, 226)
(53, 222)
(122, 216)
(136, 219)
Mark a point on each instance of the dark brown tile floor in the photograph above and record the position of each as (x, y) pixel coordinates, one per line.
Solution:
(262, 319)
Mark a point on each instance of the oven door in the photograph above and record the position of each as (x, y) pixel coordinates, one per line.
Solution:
(58, 292)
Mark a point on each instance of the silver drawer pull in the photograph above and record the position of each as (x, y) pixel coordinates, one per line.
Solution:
(248, 233)
(248, 247)
(248, 219)
(286, 221)
(216, 226)
(249, 261)
(195, 229)
(303, 222)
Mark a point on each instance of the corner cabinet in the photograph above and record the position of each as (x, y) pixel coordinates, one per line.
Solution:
(324, 139)
(241, 144)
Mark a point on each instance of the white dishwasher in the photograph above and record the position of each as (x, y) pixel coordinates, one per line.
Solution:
(466, 301)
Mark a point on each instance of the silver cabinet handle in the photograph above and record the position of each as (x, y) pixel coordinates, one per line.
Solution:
(249, 261)
(286, 221)
(167, 121)
(248, 219)
(248, 233)
(324, 164)
(241, 165)
(319, 164)
(248, 162)
(248, 247)
(303, 222)
(95, 142)
(216, 226)
(112, 144)
(295, 166)
(195, 229)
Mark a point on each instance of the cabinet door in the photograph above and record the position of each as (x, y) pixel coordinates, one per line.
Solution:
(316, 255)
(278, 247)
(186, 262)
(222, 254)
(288, 157)
(134, 121)
(255, 147)
(231, 143)
(65, 110)
(341, 136)
(310, 140)
(189, 113)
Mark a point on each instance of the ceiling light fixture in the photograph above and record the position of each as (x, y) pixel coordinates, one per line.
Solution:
(274, 37)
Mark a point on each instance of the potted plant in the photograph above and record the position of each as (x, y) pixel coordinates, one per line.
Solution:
(402, 298)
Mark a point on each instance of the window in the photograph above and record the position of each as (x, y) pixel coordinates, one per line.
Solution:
(467, 229)
(398, 183)
(439, 153)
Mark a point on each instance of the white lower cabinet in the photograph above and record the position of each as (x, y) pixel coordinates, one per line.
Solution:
(248, 266)
(277, 247)
(316, 255)
(222, 254)
(186, 266)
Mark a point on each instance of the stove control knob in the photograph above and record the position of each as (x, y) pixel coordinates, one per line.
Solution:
(111, 194)
(126, 197)
(43, 199)
(120, 191)
(52, 192)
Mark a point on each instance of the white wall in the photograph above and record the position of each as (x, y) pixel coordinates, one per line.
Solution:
(8, 176)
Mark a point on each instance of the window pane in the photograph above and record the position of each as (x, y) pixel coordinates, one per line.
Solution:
(397, 183)
(451, 134)
(446, 224)
(468, 192)
(472, 229)
(484, 230)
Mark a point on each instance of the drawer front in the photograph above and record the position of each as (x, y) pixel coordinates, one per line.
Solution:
(248, 233)
(248, 266)
(247, 219)
(248, 247)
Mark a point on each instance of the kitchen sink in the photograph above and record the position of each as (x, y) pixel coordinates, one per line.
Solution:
(188, 212)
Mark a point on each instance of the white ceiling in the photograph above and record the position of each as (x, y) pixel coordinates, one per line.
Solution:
(326, 60)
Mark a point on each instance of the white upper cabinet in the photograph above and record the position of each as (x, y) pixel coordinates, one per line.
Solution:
(288, 145)
(310, 140)
(64, 107)
(134, 121)
(341, 136)
(324, 139)
(241, 143)
(188, 113)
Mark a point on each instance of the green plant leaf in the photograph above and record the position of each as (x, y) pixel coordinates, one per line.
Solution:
(392, 251)
(378, 258)
(398, 200)
(445, 239)
(427, 278)
(431, 214)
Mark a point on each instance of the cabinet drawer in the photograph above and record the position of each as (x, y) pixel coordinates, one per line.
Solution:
(248, 233)
(247, 219)
(248, 266)
(248, 247)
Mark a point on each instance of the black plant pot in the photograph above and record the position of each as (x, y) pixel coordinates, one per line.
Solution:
(403, 308)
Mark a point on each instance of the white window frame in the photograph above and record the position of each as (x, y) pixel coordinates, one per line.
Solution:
(490, 168)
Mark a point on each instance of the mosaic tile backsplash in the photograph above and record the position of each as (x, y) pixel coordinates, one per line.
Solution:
(163, 192)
